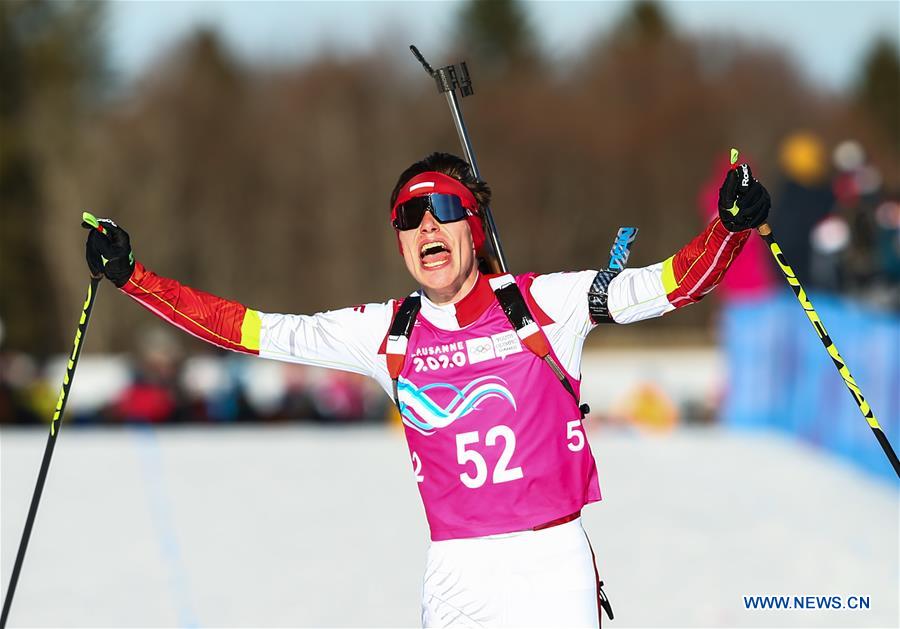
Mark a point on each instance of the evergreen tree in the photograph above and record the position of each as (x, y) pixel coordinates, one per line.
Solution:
(878, 89)
(51, 64)
(496, 35)
(645, 22)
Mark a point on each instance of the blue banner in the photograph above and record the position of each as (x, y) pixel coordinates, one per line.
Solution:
(781, 377)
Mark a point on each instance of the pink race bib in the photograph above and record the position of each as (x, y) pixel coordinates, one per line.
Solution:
(497, 444)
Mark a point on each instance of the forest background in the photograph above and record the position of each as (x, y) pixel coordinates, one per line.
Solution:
(268, 182)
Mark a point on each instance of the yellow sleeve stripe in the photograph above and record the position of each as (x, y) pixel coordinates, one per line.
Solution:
(668, 275)
(250, 328)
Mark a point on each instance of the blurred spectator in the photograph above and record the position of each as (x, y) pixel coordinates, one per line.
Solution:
(830, 241)
(647, 407)
(24, 398)
(887, 245)
(339, 397)
(857, 191)
(802, 200)
(213, 390)
(298, 400)
(155, 394)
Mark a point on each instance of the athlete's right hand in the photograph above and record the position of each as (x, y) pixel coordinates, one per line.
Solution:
(109, 253)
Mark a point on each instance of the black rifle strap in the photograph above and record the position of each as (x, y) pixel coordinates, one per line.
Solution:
(398, 339)
(516, 310)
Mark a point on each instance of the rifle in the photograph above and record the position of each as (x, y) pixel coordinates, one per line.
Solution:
(491, 258)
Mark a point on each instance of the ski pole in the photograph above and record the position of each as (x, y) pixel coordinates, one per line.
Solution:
(448, 79)
(90, 222)
(765, 231)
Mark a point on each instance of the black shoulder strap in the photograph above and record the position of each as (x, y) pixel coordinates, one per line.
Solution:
(398, 339)
(529, 331)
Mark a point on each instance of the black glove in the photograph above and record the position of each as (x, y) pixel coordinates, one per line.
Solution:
(109, 253)
(743, 202)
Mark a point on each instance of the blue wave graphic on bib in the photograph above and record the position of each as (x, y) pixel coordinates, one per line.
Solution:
(421, 413)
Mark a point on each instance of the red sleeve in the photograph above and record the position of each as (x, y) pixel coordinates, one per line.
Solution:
(221, 322)
(700, 265)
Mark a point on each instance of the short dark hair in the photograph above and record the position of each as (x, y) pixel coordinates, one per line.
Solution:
(451, 165)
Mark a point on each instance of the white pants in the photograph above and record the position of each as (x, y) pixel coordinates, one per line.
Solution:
(527, 579)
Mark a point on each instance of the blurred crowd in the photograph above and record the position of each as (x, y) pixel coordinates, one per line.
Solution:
(160, 385)
(838, 226)
(836, 223)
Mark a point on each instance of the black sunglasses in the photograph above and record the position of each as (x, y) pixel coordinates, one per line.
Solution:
(446, 208)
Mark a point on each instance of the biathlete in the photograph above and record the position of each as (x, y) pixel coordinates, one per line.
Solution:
(485, 372)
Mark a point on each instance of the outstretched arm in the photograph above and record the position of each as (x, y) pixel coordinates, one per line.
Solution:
(695, 270)
(684, 278)
(344, 339)
(227, 324)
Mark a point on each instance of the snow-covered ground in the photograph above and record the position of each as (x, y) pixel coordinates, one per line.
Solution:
(292, 526)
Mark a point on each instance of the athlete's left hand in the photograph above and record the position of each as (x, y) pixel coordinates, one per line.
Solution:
(109, 253)
(743, 202)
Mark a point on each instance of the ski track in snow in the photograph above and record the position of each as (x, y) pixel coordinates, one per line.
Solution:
(299, 526)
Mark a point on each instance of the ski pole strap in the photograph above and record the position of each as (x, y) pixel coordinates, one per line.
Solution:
(529, 332)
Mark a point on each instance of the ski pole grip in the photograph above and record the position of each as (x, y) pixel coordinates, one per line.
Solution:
(89, 221)
(763, 229)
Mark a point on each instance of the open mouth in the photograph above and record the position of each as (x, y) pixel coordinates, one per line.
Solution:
(434, 255)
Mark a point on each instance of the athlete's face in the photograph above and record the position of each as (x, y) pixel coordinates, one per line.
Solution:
(441, 258)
